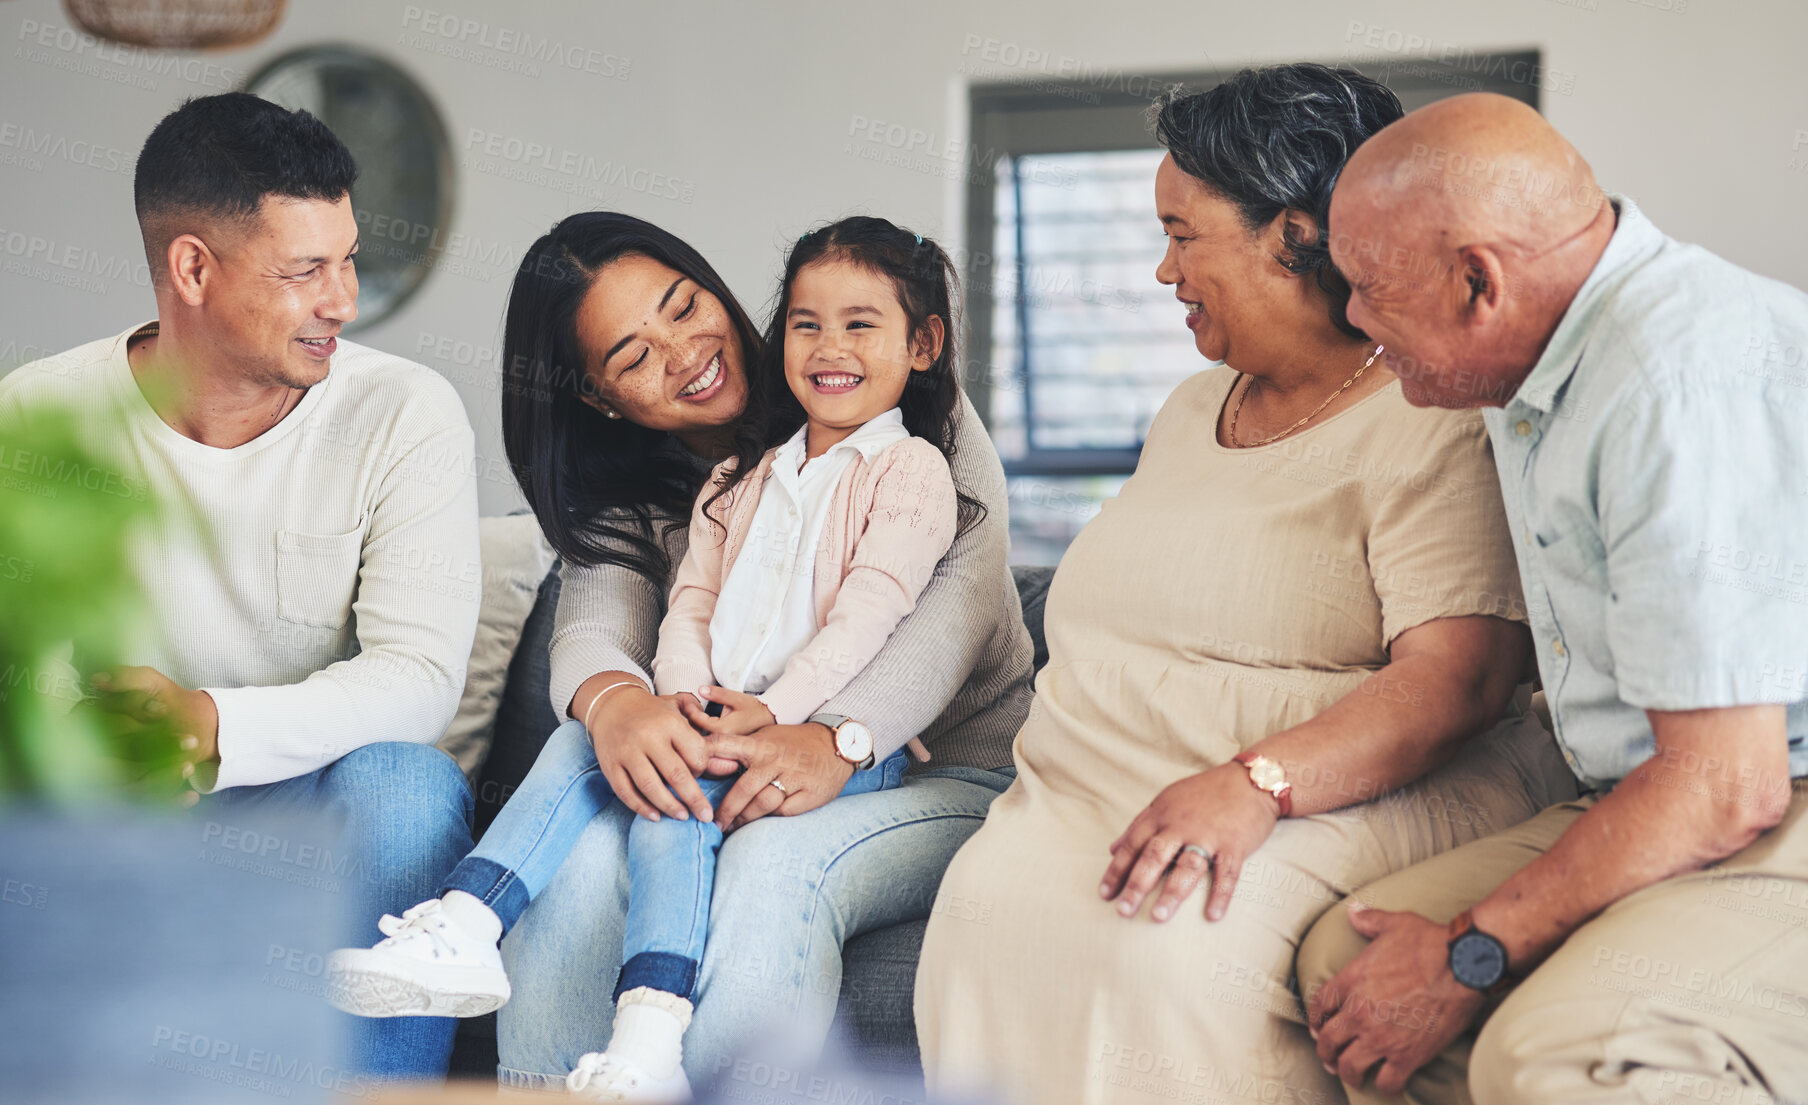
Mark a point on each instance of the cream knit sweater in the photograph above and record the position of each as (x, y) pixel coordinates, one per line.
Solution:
(321, 581)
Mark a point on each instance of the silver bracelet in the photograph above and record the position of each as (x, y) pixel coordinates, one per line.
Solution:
(591, 709)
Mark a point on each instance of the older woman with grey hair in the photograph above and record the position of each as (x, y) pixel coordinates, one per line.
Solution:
(1285, 660)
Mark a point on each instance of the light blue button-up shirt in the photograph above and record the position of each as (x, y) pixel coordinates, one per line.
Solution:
(1655, 471)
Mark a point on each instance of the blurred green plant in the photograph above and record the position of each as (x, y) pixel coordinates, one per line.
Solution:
(70, 605)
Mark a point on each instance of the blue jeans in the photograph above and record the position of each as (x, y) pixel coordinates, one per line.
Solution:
(406, 813)
(671, 863)
(789, 892)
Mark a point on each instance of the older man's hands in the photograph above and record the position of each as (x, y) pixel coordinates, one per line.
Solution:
(1219, 811)
(1394, 1006)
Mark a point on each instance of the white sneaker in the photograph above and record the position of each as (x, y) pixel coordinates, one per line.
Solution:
(601, 1078)
(428, 967)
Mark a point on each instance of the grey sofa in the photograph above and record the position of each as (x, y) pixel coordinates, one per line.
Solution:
(879, 967)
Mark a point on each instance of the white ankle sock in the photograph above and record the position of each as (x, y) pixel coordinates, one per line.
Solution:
(649, 1030)
(468, 912)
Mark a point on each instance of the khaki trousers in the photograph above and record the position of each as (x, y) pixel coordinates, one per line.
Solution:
(1694, 989)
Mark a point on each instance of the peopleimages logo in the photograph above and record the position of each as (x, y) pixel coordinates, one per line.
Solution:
(60, 147)
(79, 260)
(68, 49)
(1063, 68)
(229, 1062)
(53, 471)
(1464, 61)
(921, 150)
(523, 159)
(473, 34)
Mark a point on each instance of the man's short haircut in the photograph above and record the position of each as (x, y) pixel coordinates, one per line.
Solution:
(216, 158)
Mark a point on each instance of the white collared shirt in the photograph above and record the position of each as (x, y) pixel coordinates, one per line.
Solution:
(766, 610)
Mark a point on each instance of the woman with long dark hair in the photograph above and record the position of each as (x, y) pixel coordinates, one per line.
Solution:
(630, 371)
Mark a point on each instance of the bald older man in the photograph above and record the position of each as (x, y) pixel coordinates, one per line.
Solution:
(1648, 942)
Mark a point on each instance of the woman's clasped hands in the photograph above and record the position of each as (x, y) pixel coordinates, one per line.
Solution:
(651, 748)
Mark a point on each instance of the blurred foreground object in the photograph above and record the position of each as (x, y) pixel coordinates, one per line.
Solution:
(70, 605)
(177, 24)
(146, 954)
(169, 957)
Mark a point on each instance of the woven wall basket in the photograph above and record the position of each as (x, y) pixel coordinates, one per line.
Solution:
(177, 24)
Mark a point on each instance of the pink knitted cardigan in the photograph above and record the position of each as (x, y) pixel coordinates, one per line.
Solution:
(889, 524)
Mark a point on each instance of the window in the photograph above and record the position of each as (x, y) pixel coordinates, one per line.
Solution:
(1079, 344)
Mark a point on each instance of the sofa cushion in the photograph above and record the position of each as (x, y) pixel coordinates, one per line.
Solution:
(524, 719)
(515, 562)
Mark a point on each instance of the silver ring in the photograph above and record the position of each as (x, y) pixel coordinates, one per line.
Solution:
(1203, 854)
(780, 786)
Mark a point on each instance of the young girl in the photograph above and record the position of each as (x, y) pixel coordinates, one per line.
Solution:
(807, 548)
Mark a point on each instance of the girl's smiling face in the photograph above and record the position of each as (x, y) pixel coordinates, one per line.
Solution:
(849, 351)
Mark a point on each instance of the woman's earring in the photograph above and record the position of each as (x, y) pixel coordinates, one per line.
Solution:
(612, 414)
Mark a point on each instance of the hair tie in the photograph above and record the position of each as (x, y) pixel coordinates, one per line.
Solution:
(919, 239)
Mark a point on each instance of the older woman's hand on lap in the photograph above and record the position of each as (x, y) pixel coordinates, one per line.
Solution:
(1461, 672)
(1204, 825)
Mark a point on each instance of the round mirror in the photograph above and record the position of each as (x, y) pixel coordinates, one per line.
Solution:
(403, 197)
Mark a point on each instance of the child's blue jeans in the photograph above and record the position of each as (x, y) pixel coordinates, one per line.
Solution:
(671, 863)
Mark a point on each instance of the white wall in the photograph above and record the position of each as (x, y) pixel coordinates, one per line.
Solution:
(1700, 113)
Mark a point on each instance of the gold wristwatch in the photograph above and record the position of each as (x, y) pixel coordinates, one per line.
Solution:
(1267, 776)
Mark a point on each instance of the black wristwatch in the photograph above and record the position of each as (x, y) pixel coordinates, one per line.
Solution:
(1478, 960)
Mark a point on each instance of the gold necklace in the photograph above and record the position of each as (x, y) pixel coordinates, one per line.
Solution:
(1238, 409)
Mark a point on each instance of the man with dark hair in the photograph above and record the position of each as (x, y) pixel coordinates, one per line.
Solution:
(313, 622)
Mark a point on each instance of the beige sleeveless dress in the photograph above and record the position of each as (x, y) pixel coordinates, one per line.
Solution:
(1224, 595)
